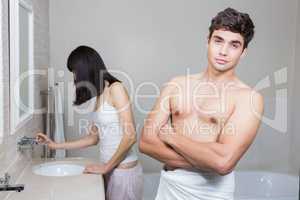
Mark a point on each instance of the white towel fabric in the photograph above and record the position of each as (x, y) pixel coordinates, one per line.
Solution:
(181, 184)
(59, 135)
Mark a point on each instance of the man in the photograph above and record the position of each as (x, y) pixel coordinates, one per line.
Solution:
(214, 118)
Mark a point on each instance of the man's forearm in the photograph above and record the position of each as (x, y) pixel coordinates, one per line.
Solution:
(207, 156)
(164, 154)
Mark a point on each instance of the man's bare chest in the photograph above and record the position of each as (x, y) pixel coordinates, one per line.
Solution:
(208, 107)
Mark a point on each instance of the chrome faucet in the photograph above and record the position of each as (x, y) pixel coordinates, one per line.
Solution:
(5, 180)
(26, 143)
(5, 186)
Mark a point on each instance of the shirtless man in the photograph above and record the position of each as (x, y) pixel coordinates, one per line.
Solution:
(214, 119)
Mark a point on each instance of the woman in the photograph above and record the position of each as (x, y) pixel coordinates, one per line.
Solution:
(112, 125)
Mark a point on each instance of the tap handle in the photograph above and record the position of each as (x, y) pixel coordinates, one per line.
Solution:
(25, 140)
(7, 178)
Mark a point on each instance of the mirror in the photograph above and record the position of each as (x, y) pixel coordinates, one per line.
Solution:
(1, 86)
(21, 63)
(24, 17)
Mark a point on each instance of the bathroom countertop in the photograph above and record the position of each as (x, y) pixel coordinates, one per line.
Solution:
(79, 187)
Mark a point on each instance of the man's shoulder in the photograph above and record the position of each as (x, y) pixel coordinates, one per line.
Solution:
(246, 89)
(248, 94)
(177, 79)
(178, 82)
(249, 101)
(181, 78)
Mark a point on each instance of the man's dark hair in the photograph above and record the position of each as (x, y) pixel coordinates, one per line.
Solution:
(234, 21)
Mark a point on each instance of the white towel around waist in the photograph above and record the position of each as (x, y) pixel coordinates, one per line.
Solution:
(182, 184)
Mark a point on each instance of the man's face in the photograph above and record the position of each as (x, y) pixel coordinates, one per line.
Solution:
(225, 49)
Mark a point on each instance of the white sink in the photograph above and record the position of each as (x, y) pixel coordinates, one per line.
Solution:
(58, 169)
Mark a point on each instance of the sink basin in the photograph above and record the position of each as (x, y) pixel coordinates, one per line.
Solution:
(58, 169)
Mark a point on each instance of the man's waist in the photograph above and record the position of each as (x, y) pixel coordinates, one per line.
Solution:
(183, 174)
(195, 179)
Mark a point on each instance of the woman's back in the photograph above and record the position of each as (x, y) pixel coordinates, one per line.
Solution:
(106, 119)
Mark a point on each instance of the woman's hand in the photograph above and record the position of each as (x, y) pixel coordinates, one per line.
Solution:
(43, 139)
(96, 169)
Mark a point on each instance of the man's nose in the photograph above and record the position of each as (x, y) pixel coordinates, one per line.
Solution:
(223, 50)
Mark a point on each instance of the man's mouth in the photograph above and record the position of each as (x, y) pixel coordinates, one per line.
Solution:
(221, 61)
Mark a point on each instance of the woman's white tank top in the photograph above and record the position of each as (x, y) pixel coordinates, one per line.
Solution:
(106, 119)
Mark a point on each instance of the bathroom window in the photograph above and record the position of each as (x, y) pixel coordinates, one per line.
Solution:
(21, 63)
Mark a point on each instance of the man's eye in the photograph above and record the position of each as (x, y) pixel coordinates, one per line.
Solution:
(235, 46)
(218, 41)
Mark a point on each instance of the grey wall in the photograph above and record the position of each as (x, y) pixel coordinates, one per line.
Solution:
(156, 40)
(10, 160)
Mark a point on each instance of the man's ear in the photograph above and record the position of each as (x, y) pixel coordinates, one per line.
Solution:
(244, 53)
(208, 40)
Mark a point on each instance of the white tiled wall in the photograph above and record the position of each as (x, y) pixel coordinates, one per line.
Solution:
(10, 159)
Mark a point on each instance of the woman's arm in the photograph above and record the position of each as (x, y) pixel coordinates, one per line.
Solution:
(89, 140)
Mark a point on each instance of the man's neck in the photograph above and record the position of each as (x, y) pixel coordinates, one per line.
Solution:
(212, 75)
